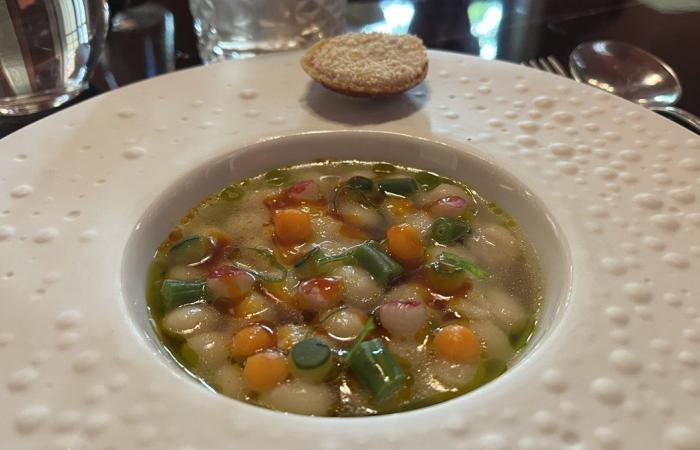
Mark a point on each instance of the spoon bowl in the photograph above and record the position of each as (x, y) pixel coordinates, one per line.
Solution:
(626, 71)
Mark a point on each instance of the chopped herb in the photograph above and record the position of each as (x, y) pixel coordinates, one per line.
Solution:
(445, 230)
(427, 180)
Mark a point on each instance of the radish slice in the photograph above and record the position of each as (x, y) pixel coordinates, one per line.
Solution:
(451, 207)
(230, 282)
(306, 190)
(403, 318)
(443, 190)
(319, 294)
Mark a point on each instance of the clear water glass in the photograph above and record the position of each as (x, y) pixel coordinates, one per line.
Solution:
(234, 29)
(47, 51)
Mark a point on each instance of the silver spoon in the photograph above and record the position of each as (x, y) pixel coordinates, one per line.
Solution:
(633, 74)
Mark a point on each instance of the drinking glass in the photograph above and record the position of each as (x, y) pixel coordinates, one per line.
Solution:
(233, 29)
(47, 51)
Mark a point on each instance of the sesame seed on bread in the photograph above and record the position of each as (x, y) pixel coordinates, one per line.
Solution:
(367, 64)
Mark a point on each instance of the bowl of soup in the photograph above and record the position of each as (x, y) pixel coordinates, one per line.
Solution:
(347, 273)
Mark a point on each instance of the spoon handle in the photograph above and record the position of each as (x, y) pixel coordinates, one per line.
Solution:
(681, 116)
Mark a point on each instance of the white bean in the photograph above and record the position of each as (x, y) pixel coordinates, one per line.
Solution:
(408, 351)
(344, 324)
(497, 343)
(288, 335)
(254, 198)
(361, 291)
(420, 220)
(211, 348)
(229, 379)
(472, 308)
(327, 184)
(300, 397)
(507, 311)
(360, 216)
(452, 375)
(327, 234)
(406, 290)
(189, 319)
(495, 246)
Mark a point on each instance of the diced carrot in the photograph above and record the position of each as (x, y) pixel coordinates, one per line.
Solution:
(289, 254)
(280, 292)
(457, 343)
(218, 236)
(446, 283)
(353, 232)
(175, 235)
(265, 370)
(405, 244)
(250, 340)
(399, 207)
(292, 226)
(252, 306)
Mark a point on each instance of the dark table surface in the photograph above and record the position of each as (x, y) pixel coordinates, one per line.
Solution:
(513, 30)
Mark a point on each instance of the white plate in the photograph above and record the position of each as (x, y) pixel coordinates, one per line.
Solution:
(619, 365)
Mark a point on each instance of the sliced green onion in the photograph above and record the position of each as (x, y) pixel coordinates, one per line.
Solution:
(374, 366)
(383, 168)
(366, 329)
(398, 186)
(311, 359)
(445, 230)
(191, 251)
(487, 370)
(493, 369)
(189, 356)
(358, 194)
(520, 339)
(449, 263)
(344, 257)
(315, 263)
(427, 180)
(276, 177)
(307, 266)
(446, 279)
(231, 193)
(261, 263)
(182, 292)
(358, 182)
(370, 257)
(310, 354)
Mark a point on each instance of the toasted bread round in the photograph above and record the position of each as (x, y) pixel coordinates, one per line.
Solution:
(367, 64)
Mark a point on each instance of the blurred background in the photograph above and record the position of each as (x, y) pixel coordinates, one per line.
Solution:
(148, 38)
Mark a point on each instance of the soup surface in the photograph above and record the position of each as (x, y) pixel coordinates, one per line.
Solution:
(345, 289)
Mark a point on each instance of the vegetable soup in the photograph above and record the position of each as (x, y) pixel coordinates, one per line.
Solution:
(345, 289)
